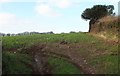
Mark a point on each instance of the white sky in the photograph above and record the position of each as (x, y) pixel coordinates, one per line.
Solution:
(46, 15)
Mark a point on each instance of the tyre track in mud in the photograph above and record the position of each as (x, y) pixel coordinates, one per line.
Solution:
(73, 57)
(40, 64)
(41, 52)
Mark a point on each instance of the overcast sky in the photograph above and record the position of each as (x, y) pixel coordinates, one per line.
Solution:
(46, 15)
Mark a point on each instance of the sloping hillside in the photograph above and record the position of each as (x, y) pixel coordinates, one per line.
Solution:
(107, 27)
(75, 53)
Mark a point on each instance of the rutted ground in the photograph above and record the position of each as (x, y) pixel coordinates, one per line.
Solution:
(41, 52)
(72, 55)
(70, 52)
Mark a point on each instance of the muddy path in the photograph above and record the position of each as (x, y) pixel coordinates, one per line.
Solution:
(72, 56)
(41, 52)
(40, 64)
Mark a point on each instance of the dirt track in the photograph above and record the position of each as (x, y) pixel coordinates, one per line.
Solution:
(71, 56)
(42, 51)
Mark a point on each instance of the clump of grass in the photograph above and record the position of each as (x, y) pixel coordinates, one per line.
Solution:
(62, 66)
(16, 63)
(107, 64)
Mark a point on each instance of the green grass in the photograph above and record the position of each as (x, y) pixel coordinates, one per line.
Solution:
(16, 63)
(62, 66)
(24, 41)
(107, 64)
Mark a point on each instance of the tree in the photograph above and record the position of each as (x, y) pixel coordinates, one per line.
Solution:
(8, 34)
(72, 32)
(97, 12)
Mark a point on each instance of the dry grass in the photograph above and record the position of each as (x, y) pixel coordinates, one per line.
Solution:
(107, 28)
(109, 19)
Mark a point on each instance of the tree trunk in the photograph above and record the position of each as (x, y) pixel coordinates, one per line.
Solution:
(89, 27)
(92, 21)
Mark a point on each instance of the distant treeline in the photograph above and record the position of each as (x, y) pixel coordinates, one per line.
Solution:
(25, 33)
(31, 33)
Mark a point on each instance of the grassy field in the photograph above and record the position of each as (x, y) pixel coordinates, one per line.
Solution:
(99, 54)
